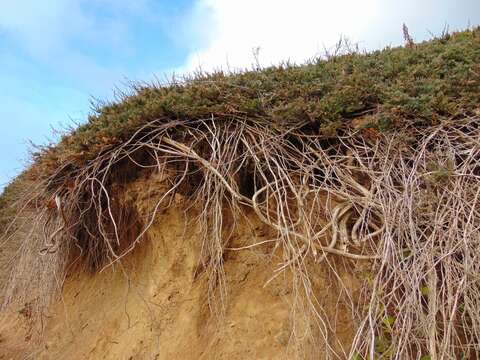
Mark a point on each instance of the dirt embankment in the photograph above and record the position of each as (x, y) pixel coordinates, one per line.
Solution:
(154, 305)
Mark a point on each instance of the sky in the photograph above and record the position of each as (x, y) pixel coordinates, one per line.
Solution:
(56, 56)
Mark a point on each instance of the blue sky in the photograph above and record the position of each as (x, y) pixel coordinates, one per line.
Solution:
(56, 55)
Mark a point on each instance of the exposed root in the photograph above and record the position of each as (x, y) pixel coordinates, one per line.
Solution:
(413, 214)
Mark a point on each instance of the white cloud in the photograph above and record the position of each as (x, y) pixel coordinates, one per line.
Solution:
(226, 31)
(283, 30)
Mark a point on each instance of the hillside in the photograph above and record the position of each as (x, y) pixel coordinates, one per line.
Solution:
(329, 210)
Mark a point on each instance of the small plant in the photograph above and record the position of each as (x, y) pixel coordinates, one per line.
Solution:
(409, 43)
(439, 173)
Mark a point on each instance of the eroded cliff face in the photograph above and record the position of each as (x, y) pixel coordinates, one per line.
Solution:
(155, 304)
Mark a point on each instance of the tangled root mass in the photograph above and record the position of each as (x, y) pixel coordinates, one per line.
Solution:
(408, 208)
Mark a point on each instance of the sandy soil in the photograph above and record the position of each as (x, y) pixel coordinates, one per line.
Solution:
(155, 305)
